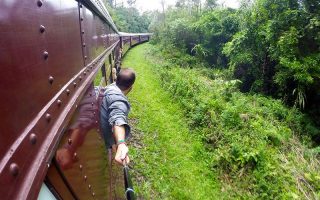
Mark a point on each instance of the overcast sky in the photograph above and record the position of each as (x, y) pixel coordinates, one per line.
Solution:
(145, 5)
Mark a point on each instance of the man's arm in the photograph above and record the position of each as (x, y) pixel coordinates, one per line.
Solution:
(122, 149)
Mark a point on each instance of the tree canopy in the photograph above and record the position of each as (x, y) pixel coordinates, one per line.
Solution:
(128, 19)
(271, 46)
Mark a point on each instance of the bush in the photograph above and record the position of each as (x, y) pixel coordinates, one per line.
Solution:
(250, 135)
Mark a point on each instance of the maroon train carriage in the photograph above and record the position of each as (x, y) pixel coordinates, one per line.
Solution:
(130, 39)
(52, 54)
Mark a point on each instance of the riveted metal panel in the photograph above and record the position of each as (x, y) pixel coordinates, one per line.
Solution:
(97, 35)
(50, 53)
(82, 156)
(25, 70)
(40, 60)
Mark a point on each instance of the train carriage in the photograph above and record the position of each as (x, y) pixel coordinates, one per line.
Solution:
(54, 54)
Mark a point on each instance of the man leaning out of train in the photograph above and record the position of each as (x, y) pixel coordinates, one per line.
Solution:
(114, 112)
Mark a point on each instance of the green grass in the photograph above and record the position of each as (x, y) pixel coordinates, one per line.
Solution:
(169, 161)
(197, 137)
(260, 149)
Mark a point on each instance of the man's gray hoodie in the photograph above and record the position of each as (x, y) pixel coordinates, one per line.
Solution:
(114, 111)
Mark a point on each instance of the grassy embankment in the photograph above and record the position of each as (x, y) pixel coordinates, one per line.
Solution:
(170, 163)
(207, 140)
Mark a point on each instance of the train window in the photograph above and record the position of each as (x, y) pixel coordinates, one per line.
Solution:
(100, 79)
(113, 75)
(103, 71)
(113, 55)
(45, 193)
(110, 60)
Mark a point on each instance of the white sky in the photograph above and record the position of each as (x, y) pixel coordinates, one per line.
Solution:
(148, 5)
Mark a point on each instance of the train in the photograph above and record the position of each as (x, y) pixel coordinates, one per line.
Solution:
(54, 56)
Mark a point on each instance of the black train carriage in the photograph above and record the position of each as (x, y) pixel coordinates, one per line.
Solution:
(52, 51)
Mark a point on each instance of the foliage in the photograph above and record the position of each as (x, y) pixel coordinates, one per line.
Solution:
(277, 47)
(273, 47)
(214, 30)
(129, 19)
(169, 162)
(254, 139)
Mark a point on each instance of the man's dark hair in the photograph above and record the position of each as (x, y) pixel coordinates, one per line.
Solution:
(125, 78)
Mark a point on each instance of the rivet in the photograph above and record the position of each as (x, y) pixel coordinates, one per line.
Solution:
(96, 122)
(80, 5)
(80, 78)
(82, 31)
(93, 194)
(45, 55)
(89, 186)
(84, 44)
(84, 73)
(51, 79)
(39, 3)
(90, 67)
(81, 18)
(80, 166)
(85, 57)
(69, 141)
(42, 28)
(48, 117)
(68, 91)
(33, 138)
(88, 70)
(48, 165)
(75, 155)
(92, 104)
(85, 177)
(59, 102)
(74, 84)
(14, 169)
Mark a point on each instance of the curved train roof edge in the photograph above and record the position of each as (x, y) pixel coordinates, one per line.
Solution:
(99, 8)
(133, 34)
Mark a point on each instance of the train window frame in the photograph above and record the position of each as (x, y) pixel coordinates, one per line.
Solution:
(104, 73)
(110, 59)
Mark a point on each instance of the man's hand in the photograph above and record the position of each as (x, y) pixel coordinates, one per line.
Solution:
(122, 154)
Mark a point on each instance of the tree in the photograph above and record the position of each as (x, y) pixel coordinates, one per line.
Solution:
(210, 4)
(131, 2)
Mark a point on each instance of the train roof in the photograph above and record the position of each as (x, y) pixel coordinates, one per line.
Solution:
(99, 8)
(133, 34)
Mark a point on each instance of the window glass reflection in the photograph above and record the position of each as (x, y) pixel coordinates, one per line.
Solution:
(82, 157)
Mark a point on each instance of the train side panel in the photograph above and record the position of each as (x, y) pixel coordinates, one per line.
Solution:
(52, 53)
(40, 54)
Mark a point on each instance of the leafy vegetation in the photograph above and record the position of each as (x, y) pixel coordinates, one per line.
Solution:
(169, 161)
(273, 47)
(128, 19)
(239, 79)
(254, 141)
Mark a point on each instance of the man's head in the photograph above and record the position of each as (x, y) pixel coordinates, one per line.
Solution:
(125, 79)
